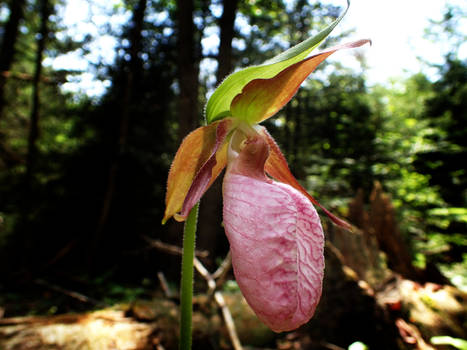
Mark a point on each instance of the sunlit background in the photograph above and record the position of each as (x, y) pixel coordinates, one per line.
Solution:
(399, 31)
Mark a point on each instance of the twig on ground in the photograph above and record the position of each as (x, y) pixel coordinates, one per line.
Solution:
(219, 298)
(228, 320)
(412, 335)
(221, 273)
(81, 297)
(19, 320)
(330, 346)
(165, 286)
(61, 253)
(205, 273)
(172, 249)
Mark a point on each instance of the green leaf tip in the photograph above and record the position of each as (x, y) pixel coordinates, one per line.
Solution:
(218, 106)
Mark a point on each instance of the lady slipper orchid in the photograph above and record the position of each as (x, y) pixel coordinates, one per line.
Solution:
(274, 231)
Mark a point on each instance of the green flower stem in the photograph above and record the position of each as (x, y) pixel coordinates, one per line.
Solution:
(186, 287)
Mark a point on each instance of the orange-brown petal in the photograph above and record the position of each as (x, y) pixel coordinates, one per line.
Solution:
(199, 160)
(262, 98)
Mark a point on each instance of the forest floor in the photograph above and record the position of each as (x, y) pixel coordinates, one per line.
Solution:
(401, 314)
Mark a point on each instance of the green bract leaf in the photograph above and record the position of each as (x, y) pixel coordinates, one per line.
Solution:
(218, 106)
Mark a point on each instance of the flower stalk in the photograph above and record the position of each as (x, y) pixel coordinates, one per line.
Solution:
(186, 286)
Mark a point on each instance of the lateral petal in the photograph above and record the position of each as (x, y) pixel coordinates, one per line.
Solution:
(199, 160)
(276, 166)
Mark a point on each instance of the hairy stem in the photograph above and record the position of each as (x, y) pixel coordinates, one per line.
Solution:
(186, 288)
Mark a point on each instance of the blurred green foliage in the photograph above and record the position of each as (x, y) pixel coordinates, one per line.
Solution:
(457, 343)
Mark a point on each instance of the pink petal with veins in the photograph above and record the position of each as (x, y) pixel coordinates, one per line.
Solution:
(277, 243)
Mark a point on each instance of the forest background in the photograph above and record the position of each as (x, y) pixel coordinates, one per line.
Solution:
(83, 177)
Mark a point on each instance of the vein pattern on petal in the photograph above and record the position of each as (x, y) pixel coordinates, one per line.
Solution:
(277, 242)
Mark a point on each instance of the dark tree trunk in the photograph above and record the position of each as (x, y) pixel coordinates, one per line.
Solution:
(131, 73)
(7, 51)
(298, 32)
(35, 109)
(188, 68)
(385, 228)
(298, 136)
(289, 126)
(226, 24)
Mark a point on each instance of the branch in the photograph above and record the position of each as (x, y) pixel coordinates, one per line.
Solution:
(411, 335)
(207, 276)
(29, 77)
(219, 298)
(165, 286)
(224, 267)
(228, 320)
(219, 274)
(75, 295)
(330, 346)
(172, 249)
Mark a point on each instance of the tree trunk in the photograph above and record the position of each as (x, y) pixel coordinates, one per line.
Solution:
(298, 137)
(226, 24)
(7, 50)
(35, 113)
(385, 228)
(188, 68)
(131, 74)
(289, 126)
